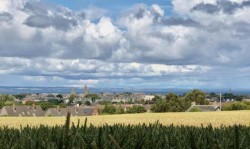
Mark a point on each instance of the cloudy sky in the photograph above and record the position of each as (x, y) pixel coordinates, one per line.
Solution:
(132, 43)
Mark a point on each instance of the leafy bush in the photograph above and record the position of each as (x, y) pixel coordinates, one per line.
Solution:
(46, 105)
(119, 110)
(136, 109)
(236, 106)
(6, 97)
(195, 109)
(108, 109)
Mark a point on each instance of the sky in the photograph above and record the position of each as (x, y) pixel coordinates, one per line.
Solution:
(125, 44)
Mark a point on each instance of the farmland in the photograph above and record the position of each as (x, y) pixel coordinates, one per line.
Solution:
(186, 118)
(119, 136)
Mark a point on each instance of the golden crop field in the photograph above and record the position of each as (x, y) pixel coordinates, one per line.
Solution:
(186, 118)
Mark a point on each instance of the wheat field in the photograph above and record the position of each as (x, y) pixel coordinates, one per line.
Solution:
(185, 118)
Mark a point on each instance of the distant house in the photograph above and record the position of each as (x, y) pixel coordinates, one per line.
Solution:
(203, 108)
(147, 107)
(245, 99)
(148, 97)
(22, 111)
(74, 111)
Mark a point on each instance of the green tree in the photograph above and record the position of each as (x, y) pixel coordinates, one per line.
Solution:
(6, 97)
(54, 101)
(46, 105)
(136, 109)
(156, 98)
(108, 109)
(8, 103)
(119, 110)
(92, 97)
(87, 103)
(198, 96)
(29, 103)
(20, 96)
(171, 103)
(1, 104)
(59, 96)
(72, 97)
(160, 105)
(62, 105)
(236, 106)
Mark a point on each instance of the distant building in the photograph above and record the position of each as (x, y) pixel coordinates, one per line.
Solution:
(86, 90)
(74, 111)
(203, 108)
(22, 111)
(73, 92)
(148, 97)
(245, 99)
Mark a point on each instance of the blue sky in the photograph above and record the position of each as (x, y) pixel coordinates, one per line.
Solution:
(140, 44)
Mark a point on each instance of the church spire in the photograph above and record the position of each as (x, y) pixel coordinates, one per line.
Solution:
(86, 89)
(73, 92)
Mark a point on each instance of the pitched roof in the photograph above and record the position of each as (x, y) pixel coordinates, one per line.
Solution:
(74, 111)
(22, 111)
(204, 108)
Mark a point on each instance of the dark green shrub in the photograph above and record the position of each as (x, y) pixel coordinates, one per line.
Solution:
(236, 106)
(108, 109)
(195, 109)
(136, 109)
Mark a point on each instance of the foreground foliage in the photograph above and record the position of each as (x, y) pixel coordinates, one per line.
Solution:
(125, 136)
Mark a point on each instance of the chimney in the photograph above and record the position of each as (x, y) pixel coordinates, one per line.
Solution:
(193, 103)
(58, 109)
(34, 106)
(14, 107)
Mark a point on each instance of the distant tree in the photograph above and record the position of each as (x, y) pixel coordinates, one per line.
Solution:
(51, 95)
(160, 105)
(228, 96)
(171, 103)
(1, 104)
(108, 109)
(198, 96)
(92, 97)
(46, 105)
(87, 103)
(6, 97)
(238, 98)
(29, 103)
(156, 98)
(231, 96)
(59, 96)
(54, 101)
(119, 110)
(104, 102)
(136, 109)
(185, 103)
(8, 103)
(20, 96)
(231, 106)
(72, 97)
(79, 102)
(62, 105)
